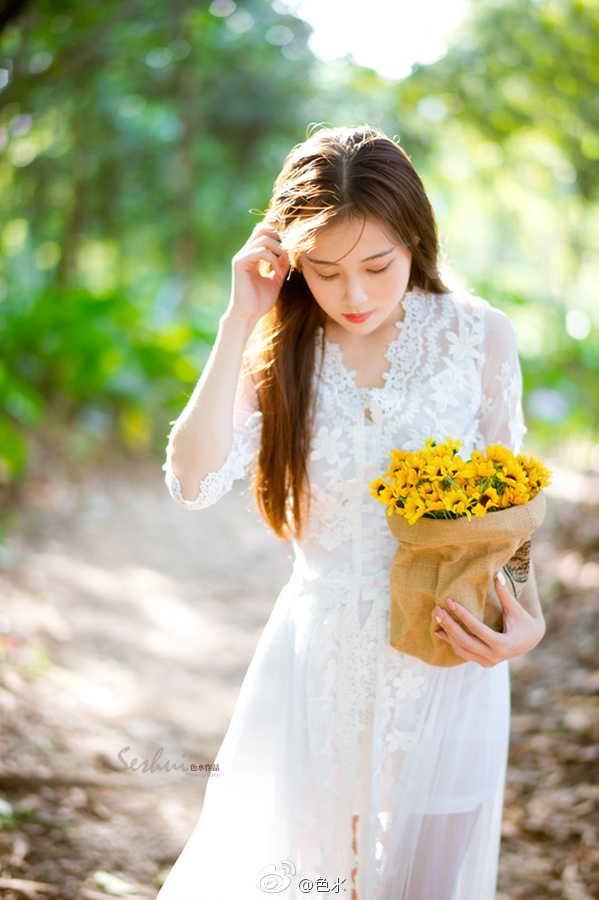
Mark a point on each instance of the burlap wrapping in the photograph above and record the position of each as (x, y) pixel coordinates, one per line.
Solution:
(456, 558)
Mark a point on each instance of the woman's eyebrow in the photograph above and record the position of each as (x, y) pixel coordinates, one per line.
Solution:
(324, 262)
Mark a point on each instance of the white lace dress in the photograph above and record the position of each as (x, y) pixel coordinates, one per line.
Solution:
(350, 769)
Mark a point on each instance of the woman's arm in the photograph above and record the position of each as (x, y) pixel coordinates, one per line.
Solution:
(202, 436)
(501, 422)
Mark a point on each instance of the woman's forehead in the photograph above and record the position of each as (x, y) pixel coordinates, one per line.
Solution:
(350, 237)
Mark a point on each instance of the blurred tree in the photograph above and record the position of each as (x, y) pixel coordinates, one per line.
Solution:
(512, 111)
(504, 130)
(141, 128)
(523, 66)
(138, 137)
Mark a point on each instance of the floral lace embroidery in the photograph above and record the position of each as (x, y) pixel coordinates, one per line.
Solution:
(326, 445)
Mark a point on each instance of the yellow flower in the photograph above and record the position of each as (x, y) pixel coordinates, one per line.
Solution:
(436, 482)
(479, 467)
(380, 489)
(441, 466)
(489, 499)
(512, 473)
(538, 476)
(456, 502)
(498, 453)
(414, 508)
(452, 445)
(397, 459)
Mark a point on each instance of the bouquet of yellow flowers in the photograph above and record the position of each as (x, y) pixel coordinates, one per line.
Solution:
(447, 544)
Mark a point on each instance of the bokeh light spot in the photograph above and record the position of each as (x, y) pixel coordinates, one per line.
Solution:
(159, 57)
(222, 8)
(47, 254)
(432, 109)
(14, 234)
(21, 125)
(131, 106)
(240, 22)
(23, 153)
(279, 35)
(578, 324)
(39, 62)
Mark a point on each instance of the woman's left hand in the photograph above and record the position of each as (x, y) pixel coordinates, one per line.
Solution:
(521, 630)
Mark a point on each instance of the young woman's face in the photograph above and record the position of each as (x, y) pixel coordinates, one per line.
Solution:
(358, 275)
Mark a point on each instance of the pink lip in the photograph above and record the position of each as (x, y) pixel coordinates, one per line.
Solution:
(357, 317)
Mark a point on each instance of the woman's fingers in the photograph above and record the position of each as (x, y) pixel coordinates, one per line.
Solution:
(267, 241)
(481, 647)
(264, 234)
(471, 622)
(472, 650)
(253, 258)
(263, 247)
(485, 646)
(505, 593)
(259, 270)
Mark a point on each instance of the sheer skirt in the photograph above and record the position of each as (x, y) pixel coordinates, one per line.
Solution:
(403, 799)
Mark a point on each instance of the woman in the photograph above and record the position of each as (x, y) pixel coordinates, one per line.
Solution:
(349, 766)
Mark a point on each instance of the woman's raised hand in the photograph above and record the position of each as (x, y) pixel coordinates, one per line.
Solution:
(259, 270)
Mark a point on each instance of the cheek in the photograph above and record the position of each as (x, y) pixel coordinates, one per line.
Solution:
(322, 291)
(402, 275)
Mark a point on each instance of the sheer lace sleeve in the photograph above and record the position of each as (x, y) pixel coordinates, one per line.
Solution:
(246, 438)
(501, 420)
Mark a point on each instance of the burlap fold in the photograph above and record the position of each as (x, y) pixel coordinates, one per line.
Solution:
(456, 558)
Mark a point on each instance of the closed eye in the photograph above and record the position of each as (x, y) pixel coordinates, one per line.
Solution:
(370, 272)
(378, 271)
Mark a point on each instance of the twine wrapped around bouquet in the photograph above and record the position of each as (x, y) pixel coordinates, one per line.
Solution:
(457, 558)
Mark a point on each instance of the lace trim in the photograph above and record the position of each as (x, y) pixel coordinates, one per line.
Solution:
(399, 354)
(216, 484)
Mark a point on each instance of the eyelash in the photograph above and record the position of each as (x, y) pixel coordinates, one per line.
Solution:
(370, 272)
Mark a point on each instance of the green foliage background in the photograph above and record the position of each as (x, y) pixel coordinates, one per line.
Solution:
(138, 136)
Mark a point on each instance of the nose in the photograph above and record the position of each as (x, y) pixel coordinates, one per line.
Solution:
(355, 293)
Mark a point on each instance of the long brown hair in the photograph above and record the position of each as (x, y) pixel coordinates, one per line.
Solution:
(336, 174)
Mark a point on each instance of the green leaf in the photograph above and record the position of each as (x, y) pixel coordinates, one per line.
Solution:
(6, 810)
(13, 451)
(114, 885)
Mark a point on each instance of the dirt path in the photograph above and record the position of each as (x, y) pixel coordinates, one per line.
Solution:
(136, 621)
(129, 622)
